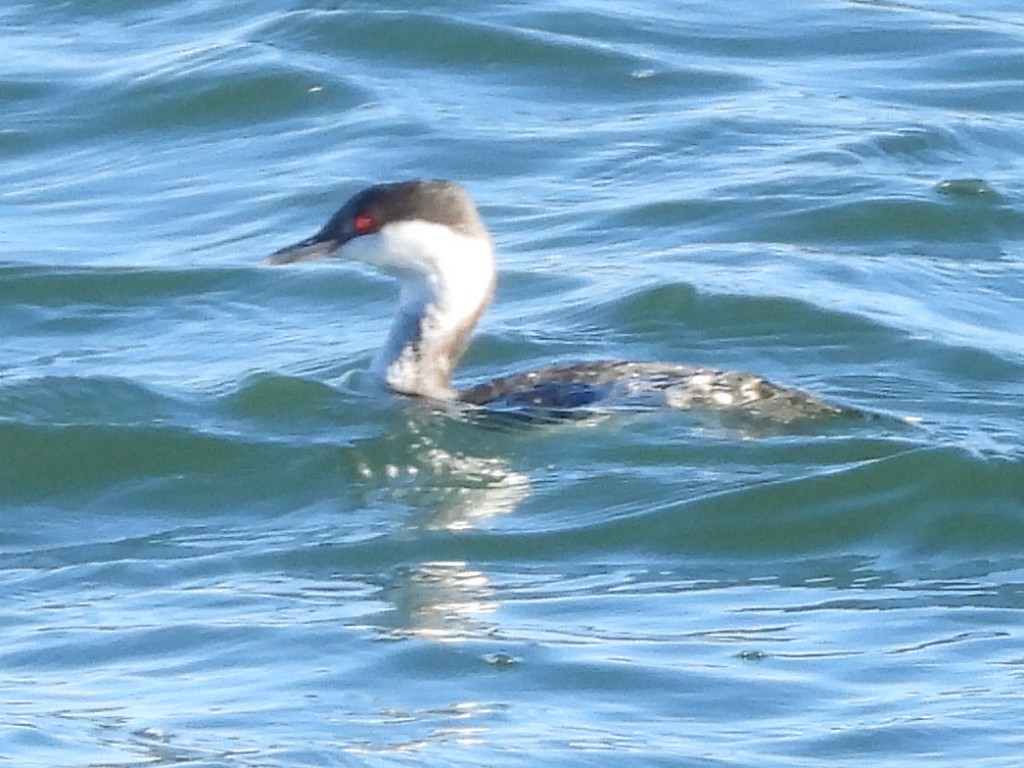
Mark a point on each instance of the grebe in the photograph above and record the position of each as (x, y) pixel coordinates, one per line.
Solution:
(429, 236)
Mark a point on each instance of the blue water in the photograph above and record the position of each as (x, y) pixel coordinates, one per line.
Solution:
(220, 546)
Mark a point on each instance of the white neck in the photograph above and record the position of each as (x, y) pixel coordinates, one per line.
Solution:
(447, 280)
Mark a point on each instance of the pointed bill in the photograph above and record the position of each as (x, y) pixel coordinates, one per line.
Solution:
(308, 250)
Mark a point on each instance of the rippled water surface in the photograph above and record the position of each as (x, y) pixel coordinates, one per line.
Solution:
(221, 546)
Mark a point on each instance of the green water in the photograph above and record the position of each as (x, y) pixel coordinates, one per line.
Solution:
(220, 545)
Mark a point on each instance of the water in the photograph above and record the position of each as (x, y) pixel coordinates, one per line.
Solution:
(220, 548)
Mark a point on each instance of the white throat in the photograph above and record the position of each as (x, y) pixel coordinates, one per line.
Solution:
(447, 279)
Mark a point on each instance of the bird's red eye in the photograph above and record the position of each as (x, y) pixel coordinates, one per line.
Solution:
(364, 223)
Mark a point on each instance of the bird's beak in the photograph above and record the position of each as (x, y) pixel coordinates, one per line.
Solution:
(315, 247)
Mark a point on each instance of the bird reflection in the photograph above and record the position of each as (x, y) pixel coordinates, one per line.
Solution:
(441, 601)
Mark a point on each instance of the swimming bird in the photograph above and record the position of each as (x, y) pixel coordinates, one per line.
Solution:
(429, 236)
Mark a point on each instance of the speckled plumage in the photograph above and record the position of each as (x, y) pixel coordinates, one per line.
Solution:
(430, 237)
